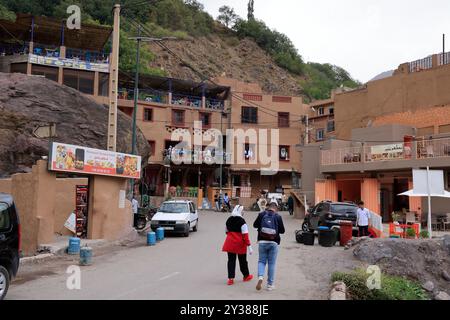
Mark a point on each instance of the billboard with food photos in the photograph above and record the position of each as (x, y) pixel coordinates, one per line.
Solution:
(77, 159)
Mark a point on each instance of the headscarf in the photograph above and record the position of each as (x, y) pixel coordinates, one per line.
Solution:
(237, 211)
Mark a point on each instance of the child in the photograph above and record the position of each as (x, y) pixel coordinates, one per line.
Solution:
(236, 244)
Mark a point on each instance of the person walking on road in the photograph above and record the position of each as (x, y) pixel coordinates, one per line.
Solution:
(270, 225)
(363, 220)
(236, 245)
(290, 204)
(134, 208)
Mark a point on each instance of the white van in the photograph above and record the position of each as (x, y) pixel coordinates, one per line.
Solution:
(176, 217)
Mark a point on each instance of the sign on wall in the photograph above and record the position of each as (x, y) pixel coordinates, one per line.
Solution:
(387, 152)
(68, 63)
(77, 159)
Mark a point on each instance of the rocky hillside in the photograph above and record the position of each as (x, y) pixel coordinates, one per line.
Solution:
(29, 102)
(216, 55)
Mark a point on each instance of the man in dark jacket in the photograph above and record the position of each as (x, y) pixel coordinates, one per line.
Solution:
(270, 225)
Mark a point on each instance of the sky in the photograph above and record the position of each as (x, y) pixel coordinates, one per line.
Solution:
(365, 37)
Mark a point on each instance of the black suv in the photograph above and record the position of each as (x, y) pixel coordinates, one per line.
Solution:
(9, 242)
(330, 214)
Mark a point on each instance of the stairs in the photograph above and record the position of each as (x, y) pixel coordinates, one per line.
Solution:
(301, 205)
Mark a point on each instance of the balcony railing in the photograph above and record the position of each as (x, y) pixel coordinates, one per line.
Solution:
(422, 64)
(186, 100)
(421, 149)
(10, 49)
(215, 104)
(444, 58)
(144, 95)
(86, 55)
(196, 156)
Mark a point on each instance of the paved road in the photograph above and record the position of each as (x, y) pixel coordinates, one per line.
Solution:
(187, 268)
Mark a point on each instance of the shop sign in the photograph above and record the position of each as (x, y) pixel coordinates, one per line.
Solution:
(77, 159)
(68, 63)
(387, 152)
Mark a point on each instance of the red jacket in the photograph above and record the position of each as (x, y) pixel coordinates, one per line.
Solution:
(237, 239)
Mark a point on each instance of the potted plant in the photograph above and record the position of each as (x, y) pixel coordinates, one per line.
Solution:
(424, 235)
(395, 217)
(410, 233)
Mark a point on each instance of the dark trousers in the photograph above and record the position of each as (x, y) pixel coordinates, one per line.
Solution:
(363, 231)
(243, 264)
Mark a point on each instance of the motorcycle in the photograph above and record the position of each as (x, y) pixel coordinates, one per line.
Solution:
(144, 215)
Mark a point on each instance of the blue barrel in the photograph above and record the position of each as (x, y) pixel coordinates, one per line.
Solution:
(85, 256)
(151, 238)
(74, 246)
(160, 234)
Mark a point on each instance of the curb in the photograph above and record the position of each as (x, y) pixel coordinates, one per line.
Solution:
(28, 260)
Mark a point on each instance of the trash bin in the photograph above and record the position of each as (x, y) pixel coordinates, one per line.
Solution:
(327, 237)
(160, 234)
(346, 231)
(151, 238)
(85, 256)
(299, 236)
(74, 246)
(308, 238)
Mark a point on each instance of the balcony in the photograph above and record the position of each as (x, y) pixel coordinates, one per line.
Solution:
(146, 95)
(420, 153)
(195, 156)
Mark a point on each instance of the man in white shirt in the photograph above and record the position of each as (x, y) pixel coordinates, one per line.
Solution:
(134, 205)
(363, 220)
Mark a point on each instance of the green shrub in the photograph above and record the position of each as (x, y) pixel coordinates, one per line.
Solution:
(410, 232)
(424, 234)
(392, 287)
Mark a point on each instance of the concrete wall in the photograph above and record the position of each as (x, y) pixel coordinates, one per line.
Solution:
(5, 185)
(400, 93)
(388, 132)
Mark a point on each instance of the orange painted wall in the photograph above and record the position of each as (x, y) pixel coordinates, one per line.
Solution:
(370, 189)
(415, 203)
(351, 190)
(326, 190)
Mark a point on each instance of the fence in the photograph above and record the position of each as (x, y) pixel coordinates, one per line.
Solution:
(436, 148)
(186, 100)
(422, 64)
(444, 58)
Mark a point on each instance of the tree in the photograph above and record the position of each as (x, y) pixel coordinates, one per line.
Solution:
(251, 10)
(227, 16)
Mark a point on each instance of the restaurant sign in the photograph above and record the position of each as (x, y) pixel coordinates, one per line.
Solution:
(76, 159)
(387, 152)
(68, 63)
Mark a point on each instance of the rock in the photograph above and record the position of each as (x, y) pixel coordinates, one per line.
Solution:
(445, 275)
(28, 102)
(338, 291)
(443, 296)
(446, 242)
(428, 286)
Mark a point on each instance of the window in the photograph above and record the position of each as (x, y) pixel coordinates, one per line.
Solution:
(321, 111)
(205, 118)
(127, 111)
(330, 126)
(79, 80)
(284, 153)
(320, 134)
(249, 151)
(50, 73)
(249, 115)
(148, 114)
(252, 97)
(5, 223)
(178, 117)
(331, 110)
(283, 119)
(103, 84)
(152, 145)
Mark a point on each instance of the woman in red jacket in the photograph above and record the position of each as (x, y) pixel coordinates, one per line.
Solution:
(236, 245)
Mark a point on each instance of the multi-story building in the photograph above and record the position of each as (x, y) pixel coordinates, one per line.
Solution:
(384, 131)
(45, 47)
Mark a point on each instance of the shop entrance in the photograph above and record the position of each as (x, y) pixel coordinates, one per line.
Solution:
(349, 190)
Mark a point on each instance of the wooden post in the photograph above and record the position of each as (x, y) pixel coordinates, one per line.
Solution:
(113, 82)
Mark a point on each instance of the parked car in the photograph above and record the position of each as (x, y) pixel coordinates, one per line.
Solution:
(9, 242)
(330, 214)
(176, 217)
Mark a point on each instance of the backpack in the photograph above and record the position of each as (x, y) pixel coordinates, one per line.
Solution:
(269, 227)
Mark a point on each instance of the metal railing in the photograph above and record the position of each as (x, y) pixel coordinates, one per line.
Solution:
(215, 104)
(341, 156)
(86, 55)
(186, 100)
(10, 49)
(422, 64)
(436, 148)
(196, 156)
(444, 58)
(144, 95)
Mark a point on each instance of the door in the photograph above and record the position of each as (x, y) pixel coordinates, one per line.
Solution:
(193, 214)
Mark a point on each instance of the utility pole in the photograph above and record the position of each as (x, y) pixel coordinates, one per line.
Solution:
(443, 49)
(113, 82)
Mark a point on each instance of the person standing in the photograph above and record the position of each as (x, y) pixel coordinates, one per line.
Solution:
(134, 208)
(363, 220)
(290, 204)
(216, 200)
(270, 225)
(236, 245)
(226, 201)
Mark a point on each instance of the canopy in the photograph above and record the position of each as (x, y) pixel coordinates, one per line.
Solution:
(411, 193)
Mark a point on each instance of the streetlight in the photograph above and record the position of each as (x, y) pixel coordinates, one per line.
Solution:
(138, 39)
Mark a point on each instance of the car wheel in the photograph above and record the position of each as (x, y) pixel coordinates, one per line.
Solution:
(4, 282)
(305, 227)
(196, 227)
(186, 234)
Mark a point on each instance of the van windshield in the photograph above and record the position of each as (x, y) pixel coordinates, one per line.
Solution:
(343, 208)
(174, 208)
(5, 222)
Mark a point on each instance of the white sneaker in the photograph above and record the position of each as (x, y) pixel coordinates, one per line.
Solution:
(259, 284)
(270, 287)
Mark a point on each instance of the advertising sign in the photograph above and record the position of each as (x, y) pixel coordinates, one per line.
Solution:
(387, 152)
(77, 159)
(68, 63)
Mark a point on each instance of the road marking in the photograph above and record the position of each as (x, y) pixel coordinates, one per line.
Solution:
(169, 276)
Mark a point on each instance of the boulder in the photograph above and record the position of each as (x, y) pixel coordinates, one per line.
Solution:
(443, 296)
(29, 102)
(445, 275)
(428, 286)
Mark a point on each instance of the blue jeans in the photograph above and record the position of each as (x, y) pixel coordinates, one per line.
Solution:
(267, 255)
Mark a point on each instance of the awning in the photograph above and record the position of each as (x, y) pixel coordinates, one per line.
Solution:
(411, 193)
